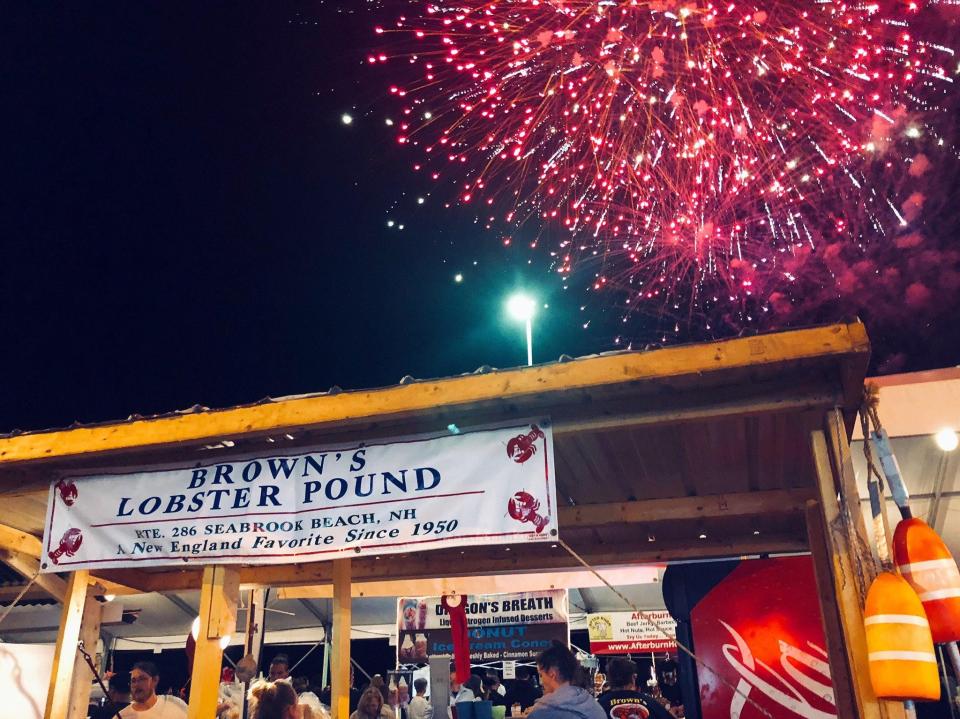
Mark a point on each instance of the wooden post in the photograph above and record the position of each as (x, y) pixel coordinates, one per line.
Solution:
(843, 686)
(340, 647)
(82, 674)
(71, 619)
(844, 567)
(218, 618)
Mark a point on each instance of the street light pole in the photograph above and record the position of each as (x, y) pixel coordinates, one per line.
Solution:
(529, 342)
(522, 307)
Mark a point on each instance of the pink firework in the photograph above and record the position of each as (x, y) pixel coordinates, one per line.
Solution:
(674, 143)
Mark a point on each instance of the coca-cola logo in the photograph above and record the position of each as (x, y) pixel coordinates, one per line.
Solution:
(760, 633)
(807, 678)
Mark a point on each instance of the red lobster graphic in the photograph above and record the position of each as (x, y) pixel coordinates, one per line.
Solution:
(523, 447)
(68, 491)
(523, 507)
(69, 544)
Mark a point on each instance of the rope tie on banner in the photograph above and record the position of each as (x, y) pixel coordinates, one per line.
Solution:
(23, 591)
(656, 625)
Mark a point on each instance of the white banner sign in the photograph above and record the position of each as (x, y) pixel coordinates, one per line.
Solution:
(500, 626)
(470, 488)
(632, 632)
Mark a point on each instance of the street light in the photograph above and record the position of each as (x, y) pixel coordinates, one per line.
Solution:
(947, 439)
(522, 307)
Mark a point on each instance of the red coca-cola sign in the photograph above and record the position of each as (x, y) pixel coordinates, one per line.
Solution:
(760, 631)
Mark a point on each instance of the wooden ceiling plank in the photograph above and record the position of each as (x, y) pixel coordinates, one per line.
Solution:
(430, 565)
(743, 504)
(845, 342)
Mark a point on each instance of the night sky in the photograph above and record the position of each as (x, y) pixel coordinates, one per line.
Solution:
(187, 220)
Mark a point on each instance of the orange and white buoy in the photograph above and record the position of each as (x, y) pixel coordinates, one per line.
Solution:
(926, 563)
(899, 646)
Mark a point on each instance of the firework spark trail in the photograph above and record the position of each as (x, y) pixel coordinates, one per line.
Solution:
(707, 133)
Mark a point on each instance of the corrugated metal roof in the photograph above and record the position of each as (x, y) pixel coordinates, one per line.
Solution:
(10, 585)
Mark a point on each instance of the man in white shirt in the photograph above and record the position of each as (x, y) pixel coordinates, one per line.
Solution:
(144, 702)
(419, 707)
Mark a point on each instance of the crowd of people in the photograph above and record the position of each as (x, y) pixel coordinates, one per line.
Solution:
(565, 691)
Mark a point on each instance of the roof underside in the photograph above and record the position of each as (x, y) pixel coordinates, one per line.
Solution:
(720, 422)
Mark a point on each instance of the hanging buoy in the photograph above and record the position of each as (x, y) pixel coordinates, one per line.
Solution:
(926, 563)
(899, 646)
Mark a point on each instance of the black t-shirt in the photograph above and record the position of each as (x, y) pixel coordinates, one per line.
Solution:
(523, 693)
(496, 699)
(107, 711)
(630, 704)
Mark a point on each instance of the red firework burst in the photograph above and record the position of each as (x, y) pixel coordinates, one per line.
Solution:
(683, 143)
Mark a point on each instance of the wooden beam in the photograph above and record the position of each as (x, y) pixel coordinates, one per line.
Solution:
(572, 578)
(444, 563)
(105, 586)
(16, 541)
(340, 647)
(218, 618)
(82, 674)
(10, 592)
(848, 571)
(758, 399)
(64, 657)
(536, 385)
(829, 612)
(745, 504)
(28, 567)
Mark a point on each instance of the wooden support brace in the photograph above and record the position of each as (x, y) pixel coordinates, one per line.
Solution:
(340, 647)
(28, 567)
(844, 568)
(218, 618)
(64, 657)
(82, 674)
(17, 541)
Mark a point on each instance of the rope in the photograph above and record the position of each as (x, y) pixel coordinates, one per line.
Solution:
(868, 411)
(23, 591)
(649, 620)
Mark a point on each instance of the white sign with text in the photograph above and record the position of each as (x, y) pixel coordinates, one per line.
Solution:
(632, 632)
(491, 486)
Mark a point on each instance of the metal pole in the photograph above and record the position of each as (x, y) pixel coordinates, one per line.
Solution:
(529, 342)
(325, 677)
(946, 682)
(954, 655)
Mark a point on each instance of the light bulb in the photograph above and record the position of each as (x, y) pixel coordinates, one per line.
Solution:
(946, 439)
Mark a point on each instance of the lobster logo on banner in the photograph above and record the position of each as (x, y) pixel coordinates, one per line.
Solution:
(759, 631)
(67, 491)
(523, 507)
(523, 446)
(69, 544)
